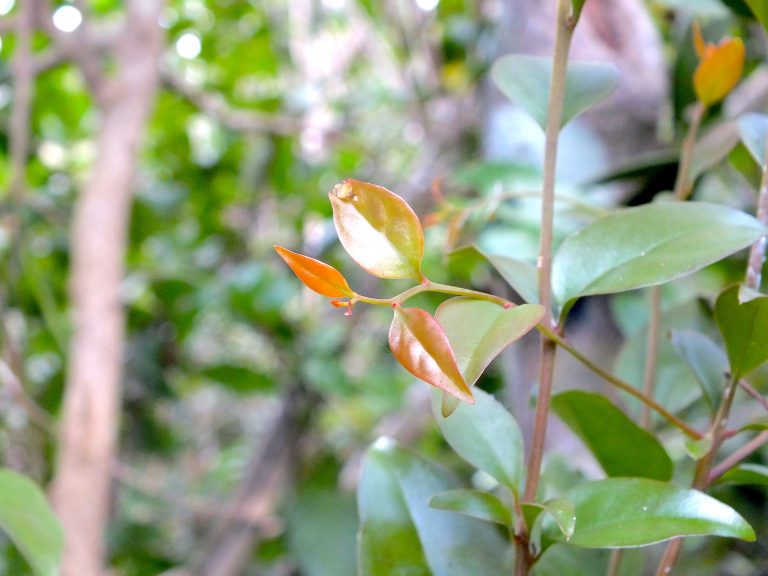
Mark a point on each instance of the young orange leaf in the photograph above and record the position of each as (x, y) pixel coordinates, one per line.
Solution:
(316, 275)
(378, 229)
(720, 68)
(418, 342)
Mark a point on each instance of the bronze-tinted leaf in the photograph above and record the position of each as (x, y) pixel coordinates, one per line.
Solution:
(419, 343)
(719, 71)
(378, 229)
(316, 275)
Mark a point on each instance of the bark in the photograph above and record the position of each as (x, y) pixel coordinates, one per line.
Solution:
(89, 418)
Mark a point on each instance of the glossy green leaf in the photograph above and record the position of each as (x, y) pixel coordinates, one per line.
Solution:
(744, 328)
(318, 276)
(28, 520)
(475, 504)
(749, 474)
(419, 343)
(525, 80)
(706, 360)
(620, 446)
(753, 129)
(479, 330)
(760, 9)
(487, 436)
(378, 229)
(521, 276)
(559, 511)
(625, 512)
(400, 533)
(648, 245)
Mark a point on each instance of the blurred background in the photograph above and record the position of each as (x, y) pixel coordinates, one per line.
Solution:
(153, 152)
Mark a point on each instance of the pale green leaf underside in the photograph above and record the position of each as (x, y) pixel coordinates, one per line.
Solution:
(525, 80)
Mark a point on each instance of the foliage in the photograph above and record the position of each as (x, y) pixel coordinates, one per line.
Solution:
(231, 367)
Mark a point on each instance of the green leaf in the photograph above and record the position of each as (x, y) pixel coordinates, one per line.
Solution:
(558, 510)
(239, 378)
(744, 328)
(400, 533)
(378, 230)
(577, 5)
(750, 474)
(626, 512)
(620, 446)
(419, 343)
(648, 245)
(706, 360)
(479, 330)
(473, 503)
(488, 437)
(760, 9)
(28, 520)
(521, 276)
(753, 129)
(525, 80)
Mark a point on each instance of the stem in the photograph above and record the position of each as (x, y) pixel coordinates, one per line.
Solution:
(620, 384)
(564, 33)
(757, 253)
(683, 186)
(614, 562)
(651, 353)
(738, 456)
(762, 400)
(432, 287)
(701, 479)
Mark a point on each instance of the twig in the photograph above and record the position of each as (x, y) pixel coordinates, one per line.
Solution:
(683, 185)
(621, 385)
(737, 456)
(36, 413)
(266, 477)
(757, 252)
(651, 352)
(747, 387)
(565, 26)
(237, 119)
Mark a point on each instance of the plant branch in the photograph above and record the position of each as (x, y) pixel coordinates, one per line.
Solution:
(757, 252)
(216, 106)
(738, 455)
(683, 185)
(701, 478)
(565, 26)
(431, 287)
(747, 387)
(651, 352)
(620, 384)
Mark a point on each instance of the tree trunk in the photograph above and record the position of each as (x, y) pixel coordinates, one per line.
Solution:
(89, 418)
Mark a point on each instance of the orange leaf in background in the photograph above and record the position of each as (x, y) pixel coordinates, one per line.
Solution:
(419, 343)
(316, 275)
(720, 67)
(378, 230)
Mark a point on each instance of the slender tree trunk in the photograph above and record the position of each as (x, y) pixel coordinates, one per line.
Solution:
(89, 419)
